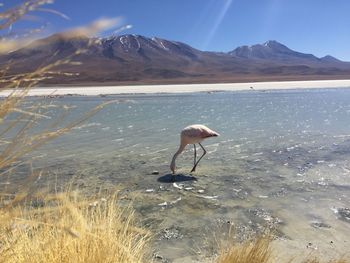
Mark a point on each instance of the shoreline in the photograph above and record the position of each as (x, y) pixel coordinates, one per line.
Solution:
(182, 88)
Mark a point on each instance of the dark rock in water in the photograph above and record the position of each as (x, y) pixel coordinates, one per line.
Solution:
(320, 225)
(279, 193)
(344, 213)
(157, 256)
(160, 258)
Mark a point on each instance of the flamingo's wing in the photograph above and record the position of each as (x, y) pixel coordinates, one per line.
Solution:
(198, 131)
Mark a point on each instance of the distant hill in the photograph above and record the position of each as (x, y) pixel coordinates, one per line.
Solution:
(136, 59)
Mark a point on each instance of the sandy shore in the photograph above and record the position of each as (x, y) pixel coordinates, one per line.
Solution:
(183, 88)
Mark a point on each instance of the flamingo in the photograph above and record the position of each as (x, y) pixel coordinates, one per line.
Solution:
(193, 134)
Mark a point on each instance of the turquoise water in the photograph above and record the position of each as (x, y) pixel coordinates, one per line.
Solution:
(282, 161)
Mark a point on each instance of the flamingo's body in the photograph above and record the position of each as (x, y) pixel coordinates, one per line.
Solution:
(191, 135)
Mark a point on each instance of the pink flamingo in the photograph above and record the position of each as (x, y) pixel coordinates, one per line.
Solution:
(191, 135)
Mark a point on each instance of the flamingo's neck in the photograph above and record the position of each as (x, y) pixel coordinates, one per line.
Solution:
(180, 150)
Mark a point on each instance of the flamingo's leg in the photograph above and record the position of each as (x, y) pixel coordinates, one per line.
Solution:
(204, 153)
(195, 154)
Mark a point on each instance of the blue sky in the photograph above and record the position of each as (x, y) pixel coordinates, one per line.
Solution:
(320, 27)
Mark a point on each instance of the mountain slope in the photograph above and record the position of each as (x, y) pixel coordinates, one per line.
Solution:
(138, 59)
(272, 50)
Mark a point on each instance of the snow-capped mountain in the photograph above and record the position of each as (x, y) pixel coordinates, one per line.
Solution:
(139, 59)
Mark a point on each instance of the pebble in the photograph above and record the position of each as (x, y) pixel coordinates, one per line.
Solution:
(155, 172)
(208, 197)
(200, 191)
(149, 190)
(188, 188)
(163, 204)
(263, 196)
(175, 201)
(312, 246)
(178, 186)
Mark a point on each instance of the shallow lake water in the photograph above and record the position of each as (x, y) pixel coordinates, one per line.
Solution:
(282, 161)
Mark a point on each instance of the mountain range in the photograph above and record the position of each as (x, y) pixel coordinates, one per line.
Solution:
(135, 59)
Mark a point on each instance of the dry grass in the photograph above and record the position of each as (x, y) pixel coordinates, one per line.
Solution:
(315, 260)
(66, 228)
(260, 251)
(257, 251)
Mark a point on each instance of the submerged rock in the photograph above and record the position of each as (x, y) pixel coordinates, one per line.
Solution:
(171, 233)
(260, 215)
(317, 224)
(344, 213)
(160, 258)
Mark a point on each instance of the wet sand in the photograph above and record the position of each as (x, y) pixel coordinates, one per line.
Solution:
(185, 88)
